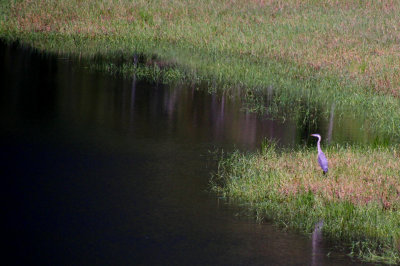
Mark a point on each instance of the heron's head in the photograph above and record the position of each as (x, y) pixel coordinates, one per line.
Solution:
(316, 135)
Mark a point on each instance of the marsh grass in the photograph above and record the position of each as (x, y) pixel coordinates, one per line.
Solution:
(359, 199)
(313, 52)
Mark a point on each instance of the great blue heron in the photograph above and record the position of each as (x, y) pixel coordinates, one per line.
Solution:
(323, 162)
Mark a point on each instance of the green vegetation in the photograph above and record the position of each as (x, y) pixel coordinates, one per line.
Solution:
(311, 53)
(359, 199)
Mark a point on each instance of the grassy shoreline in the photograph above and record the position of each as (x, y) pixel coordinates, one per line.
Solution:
(306, 54)
(359, 199)
(310, 54)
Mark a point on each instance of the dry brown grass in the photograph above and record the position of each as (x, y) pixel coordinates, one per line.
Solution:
(359, 40)
(354, 176)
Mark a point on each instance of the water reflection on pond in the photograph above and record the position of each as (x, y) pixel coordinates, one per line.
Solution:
(104, 170)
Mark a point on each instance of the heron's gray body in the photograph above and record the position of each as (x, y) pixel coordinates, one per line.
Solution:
(323, 162)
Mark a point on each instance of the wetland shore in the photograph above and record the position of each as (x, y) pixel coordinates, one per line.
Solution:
(307, 54)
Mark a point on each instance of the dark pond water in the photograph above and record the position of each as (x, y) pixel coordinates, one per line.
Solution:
(105, 170)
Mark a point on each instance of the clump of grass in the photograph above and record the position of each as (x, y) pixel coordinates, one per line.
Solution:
(150, 72)
(359, 199)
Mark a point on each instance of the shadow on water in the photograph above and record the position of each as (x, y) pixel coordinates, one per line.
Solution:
(105, 170)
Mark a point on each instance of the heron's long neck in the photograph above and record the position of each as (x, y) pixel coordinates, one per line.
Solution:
(319, 145)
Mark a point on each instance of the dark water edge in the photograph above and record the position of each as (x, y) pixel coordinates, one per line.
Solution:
(106, 170)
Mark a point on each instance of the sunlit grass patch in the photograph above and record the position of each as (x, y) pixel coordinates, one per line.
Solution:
(359, 198)
(354, 39)
(359, 177)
